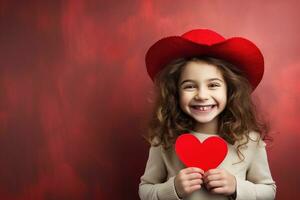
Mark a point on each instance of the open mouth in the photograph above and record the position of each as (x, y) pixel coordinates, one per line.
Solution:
(203, 108)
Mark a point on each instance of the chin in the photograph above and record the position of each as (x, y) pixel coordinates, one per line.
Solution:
(204, 121)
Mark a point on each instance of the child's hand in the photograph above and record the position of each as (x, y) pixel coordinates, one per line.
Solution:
(219, 181)
(188, 180)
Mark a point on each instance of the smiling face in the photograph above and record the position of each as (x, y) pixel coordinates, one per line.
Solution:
(202, 94)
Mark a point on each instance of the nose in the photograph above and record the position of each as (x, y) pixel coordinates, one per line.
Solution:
(201, 94)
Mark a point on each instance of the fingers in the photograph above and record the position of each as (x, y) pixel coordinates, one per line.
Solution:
(193, 170)
(194, 188)
(195, 182)
(213, 177)
(188, 180)
(219, 181)
(191, 186)
(218, 190)
(194, 176)
(214, 184)
(211, 172)
(192, 173)
(190, 177)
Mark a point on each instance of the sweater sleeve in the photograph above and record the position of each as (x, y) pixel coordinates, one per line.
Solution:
(259, 184)
(153, 185)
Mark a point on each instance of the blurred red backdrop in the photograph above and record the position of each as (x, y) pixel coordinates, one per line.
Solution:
(74, 93)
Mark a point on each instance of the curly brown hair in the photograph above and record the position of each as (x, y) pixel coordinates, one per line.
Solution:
(235, 122)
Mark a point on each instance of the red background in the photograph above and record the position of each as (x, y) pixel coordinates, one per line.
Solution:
(75, 93)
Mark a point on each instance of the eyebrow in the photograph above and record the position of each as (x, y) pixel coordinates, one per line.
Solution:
(211, 79)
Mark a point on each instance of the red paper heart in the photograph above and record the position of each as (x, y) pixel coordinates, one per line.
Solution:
(206, 155)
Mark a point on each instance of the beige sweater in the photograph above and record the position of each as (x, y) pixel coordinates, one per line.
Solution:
(254, 180)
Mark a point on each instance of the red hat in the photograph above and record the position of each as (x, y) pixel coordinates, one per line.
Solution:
(203, 42)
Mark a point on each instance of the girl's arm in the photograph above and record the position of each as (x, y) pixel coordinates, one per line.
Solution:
(259, 184)
(153, 185)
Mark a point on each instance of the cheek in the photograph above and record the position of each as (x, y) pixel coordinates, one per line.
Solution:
(222, 100)
(183, 100)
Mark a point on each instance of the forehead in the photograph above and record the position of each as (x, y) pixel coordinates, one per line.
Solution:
(200, 70)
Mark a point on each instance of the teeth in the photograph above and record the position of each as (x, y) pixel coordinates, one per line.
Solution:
(203, 108)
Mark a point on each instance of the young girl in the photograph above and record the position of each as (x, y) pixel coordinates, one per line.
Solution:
(203, 84)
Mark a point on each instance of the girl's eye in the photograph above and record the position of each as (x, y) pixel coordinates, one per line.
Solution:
(214, 85)
(189, 87)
